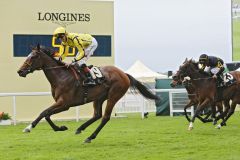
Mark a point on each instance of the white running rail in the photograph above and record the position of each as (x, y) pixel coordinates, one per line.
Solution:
(14, 95)
(131, 103)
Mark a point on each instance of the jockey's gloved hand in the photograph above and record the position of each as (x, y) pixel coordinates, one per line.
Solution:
(67, 65)
(60, 59)
(214, 76)
(74, 60)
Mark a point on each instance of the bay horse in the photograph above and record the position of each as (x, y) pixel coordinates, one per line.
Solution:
(193, 99)
(67, 92)
(207, 90)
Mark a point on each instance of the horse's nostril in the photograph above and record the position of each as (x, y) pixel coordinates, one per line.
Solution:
(19, 71)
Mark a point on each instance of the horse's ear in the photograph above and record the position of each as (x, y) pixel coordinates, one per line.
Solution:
(193, 60)
(185, 60)
(38, 46)
(31, 47)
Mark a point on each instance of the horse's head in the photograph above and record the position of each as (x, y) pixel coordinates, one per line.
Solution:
(188, 69)
(176, 80)
(184, 73)
(32, 63)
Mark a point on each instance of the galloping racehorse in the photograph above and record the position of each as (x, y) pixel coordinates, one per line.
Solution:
(67, 92)
(192, 95)
(207, 90)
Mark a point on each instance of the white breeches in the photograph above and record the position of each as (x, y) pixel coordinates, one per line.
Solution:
(88, 52)
(215, 70)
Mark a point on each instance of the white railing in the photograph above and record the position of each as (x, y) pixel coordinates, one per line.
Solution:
(14, 95)
(137, 104)
(134, 103)
(175, 101)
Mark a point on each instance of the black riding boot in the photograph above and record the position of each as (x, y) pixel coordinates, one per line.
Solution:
(220, 82)
(89, 81)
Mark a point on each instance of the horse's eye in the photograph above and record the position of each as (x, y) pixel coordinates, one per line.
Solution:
(34, 57)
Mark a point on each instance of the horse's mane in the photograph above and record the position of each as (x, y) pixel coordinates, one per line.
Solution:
(195, 64)
(51, 53)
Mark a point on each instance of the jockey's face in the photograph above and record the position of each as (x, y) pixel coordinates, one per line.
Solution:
(62, 37)
(31, 64)
(203, 62)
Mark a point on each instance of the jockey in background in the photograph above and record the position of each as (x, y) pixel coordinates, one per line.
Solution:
(86, 45)
(212, 65)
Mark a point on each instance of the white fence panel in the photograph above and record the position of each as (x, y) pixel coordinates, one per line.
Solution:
(135, 103)
(15, 95)
(130, 103)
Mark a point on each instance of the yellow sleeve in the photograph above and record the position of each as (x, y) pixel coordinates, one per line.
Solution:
(63, 51)
(202, 67)
(78, 45)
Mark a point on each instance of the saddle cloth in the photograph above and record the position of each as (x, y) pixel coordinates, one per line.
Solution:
(228, 79)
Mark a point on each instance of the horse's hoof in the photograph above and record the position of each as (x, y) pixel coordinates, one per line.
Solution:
(78, 131)
(214, 123)
(190, 128)
(88, 140)
(26, 130)
(223, 124)
(218, 126)
(209, 120)
(63, 128)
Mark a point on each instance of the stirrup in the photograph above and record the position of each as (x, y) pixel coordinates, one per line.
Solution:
(89, 83)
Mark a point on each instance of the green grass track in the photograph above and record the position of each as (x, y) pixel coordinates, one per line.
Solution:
(155, 138)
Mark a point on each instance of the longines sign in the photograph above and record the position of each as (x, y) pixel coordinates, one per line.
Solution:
(64, 17)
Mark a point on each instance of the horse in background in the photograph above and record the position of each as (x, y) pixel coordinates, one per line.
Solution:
(68, 91)
(208, 93)
(193, 99)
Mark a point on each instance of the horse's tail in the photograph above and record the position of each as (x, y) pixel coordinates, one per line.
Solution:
(135, 84)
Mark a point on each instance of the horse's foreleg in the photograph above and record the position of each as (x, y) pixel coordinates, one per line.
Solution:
(97, 105)
(185, 109)
(105, 119)
(206, 118)
(42, 115)
(50, 122)
(198, 110)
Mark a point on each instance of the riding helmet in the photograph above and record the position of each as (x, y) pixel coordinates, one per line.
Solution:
(203, 58)
(59, 32)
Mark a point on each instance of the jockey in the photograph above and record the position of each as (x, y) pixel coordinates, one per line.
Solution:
(86, 45)
(212, 65)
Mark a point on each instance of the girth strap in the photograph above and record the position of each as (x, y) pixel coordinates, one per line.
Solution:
(85, 89)
(85, 94)
(74, 73)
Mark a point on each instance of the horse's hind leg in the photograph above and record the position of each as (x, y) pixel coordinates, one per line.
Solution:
(105, 119)
(226, 109)
(97, 105)
(230, 112)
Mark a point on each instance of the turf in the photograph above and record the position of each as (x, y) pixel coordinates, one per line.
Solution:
(236, 40)
(160, 138)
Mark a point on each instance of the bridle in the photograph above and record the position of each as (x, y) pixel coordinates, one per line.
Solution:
(43, 68)
(55, 67)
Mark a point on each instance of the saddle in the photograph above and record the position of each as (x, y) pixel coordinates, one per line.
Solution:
(96, 70)
(228, 79)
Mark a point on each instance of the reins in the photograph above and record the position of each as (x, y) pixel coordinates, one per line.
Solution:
(56, 67)
(197, 79)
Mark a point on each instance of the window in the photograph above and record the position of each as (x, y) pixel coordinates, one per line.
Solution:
(22, 44)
